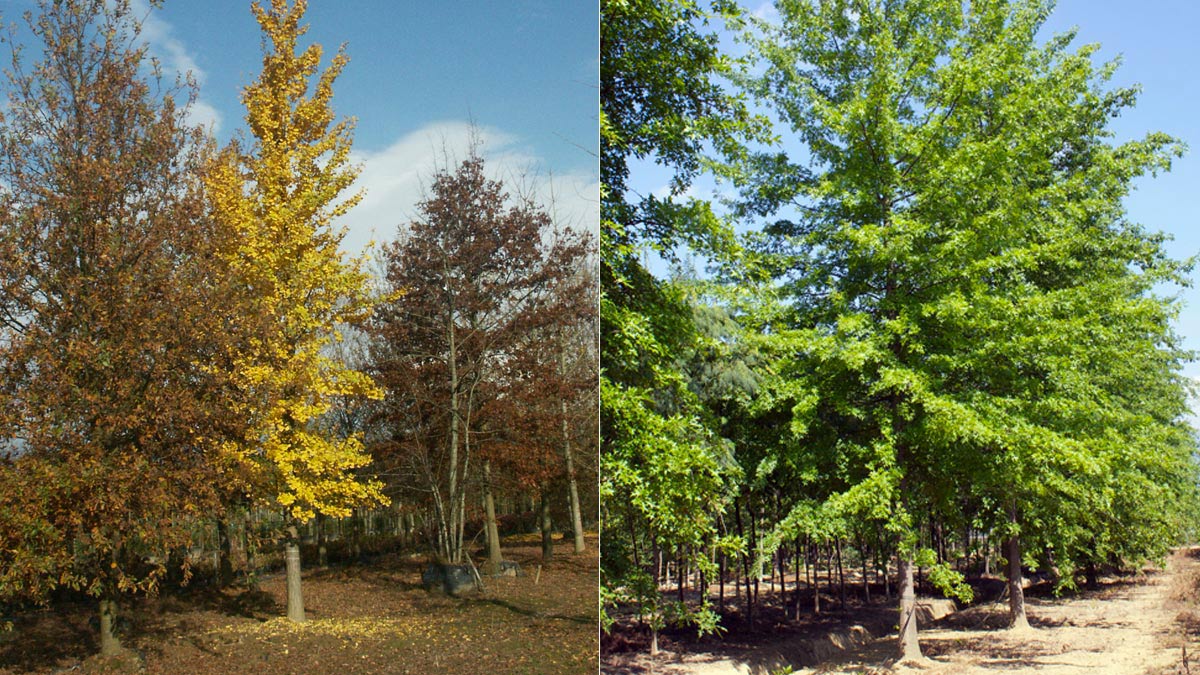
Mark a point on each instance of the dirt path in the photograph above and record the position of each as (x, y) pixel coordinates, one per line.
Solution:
(1127, 628)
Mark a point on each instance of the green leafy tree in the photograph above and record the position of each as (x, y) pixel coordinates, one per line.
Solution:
(665, 473)
(958, 183)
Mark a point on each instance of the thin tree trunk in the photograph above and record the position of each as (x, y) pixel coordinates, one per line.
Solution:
(987, 556)
(250, 545)
(322, 549)
(737, 512)
(576, 514)
(910, 648)
(841, 576)
(225, 562)
(816, 577)
(721, 585)
(1092, 571)
(109, 644)
(796, 570)
(450, 525)
(547, 532)
(295, 599)
(493, 532)
(753, 547)
(829, 568)
(681, 577)
(1016, 592)
(865, 567)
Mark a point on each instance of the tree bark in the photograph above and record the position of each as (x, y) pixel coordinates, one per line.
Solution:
(865, 570)
(295, 599)
(721, 585)
(796, 571)
(576, 514)
(109, 644)
(910, 648)
(250, 545)
(322, 548)
(493, 532)
(547, 530)
(841, 577)
(737, 512)
(1016, 592)
(816, 578)
(225, 562)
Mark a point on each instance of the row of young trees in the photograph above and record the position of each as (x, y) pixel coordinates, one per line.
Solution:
(172, 317)
(945, 328)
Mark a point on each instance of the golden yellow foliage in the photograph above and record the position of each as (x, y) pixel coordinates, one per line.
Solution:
(280, 197)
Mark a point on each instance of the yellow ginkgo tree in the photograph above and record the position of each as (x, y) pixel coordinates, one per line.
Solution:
(279, 192)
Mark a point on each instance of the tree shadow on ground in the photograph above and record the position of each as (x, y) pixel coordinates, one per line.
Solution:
(44, 639)
(532, 613)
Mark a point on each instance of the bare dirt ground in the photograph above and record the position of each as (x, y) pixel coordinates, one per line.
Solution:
(368, 619)
(1145, 624)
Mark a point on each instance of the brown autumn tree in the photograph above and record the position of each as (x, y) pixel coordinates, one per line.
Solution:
(467, 285)
(113, 325)
(547, 378)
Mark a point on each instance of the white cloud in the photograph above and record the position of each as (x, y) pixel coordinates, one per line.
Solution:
(176, 60)
(395, 178)
(766, 11)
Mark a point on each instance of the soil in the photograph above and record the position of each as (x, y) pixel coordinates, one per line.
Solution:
(1147, 623)
(372, 618)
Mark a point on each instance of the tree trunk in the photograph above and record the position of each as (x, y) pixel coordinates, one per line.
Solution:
(449, 523)
(910, 649)
(841, 577)
(295, 600)
(322, 549)
(987, 557)
(356, 535)
(109, 645)
(1016, 592)
(753, 547)
(737, 512)
(225, 562)
(547, 531)
(796, 571)
(816, 578)
(866, 579)
(493, 532)
(681, 577)
(829, 568)
(250, 545)
(721, 585)
(576, 514)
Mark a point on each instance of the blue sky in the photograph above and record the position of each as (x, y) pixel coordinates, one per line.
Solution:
(524, 71)
(1157, 43)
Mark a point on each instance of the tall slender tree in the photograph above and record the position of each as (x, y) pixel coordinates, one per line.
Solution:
(281, 195)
